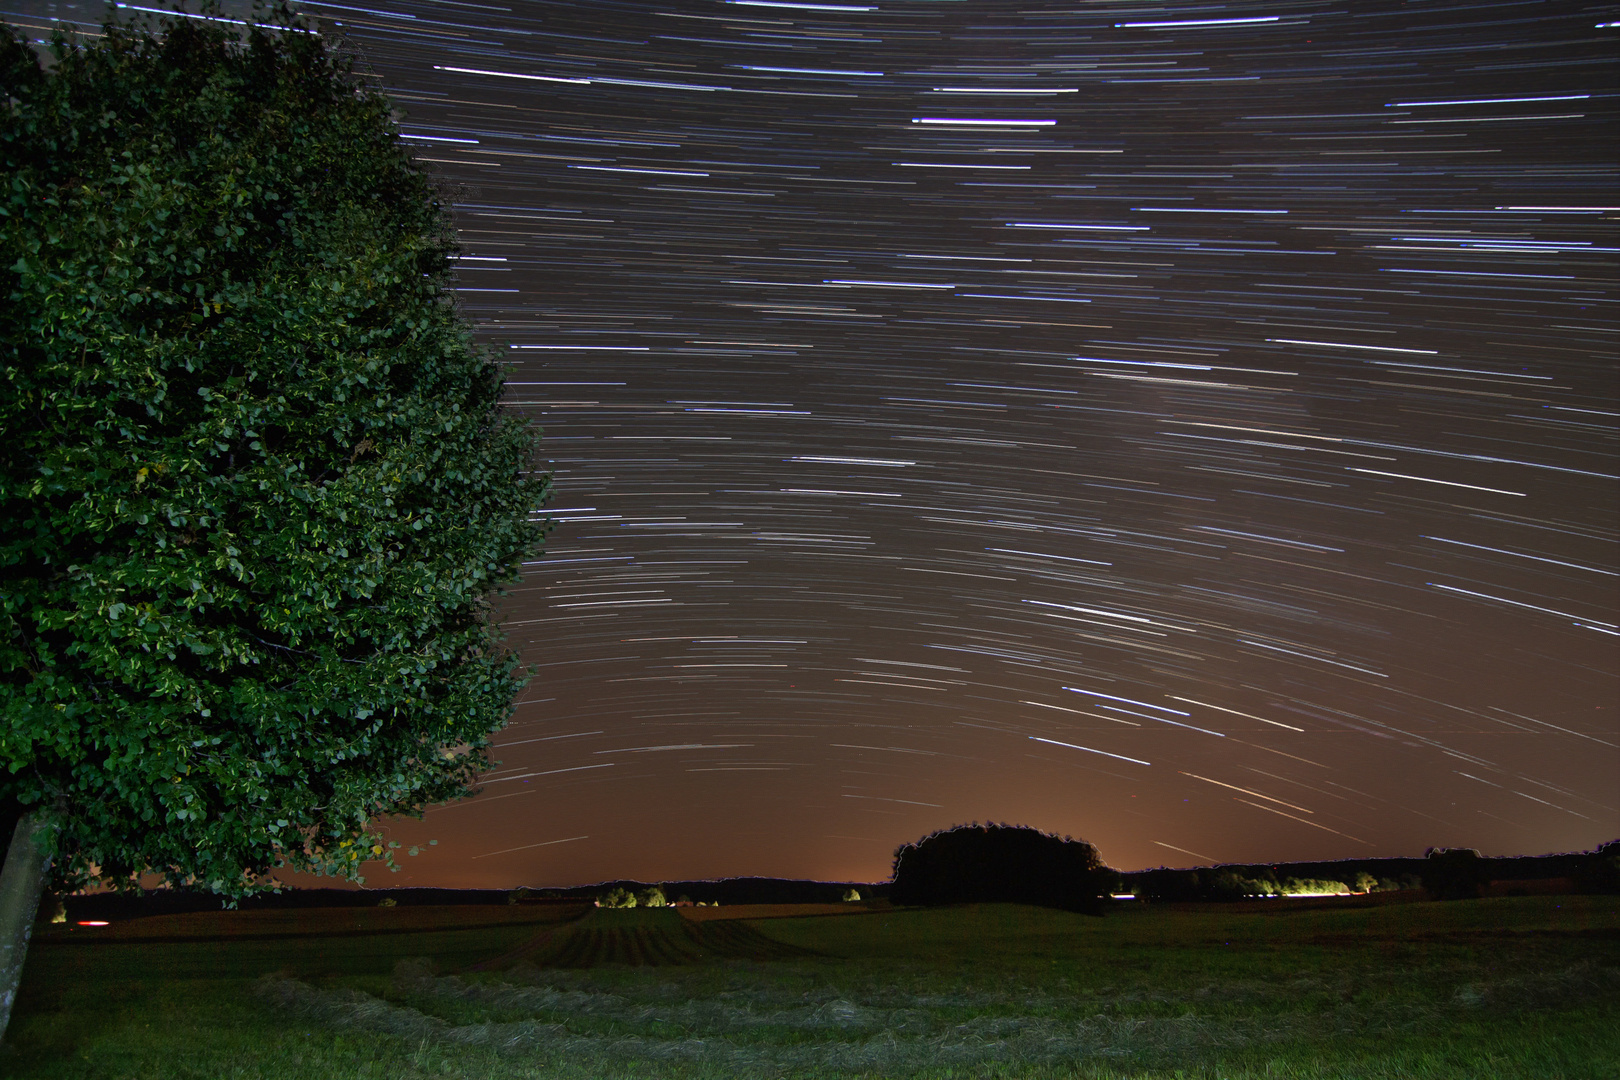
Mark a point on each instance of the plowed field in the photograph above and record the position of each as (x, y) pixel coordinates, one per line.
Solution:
(644, 937)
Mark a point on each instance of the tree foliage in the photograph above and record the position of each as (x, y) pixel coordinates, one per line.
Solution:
(1236, 885)
(255, 485)
(1008, 863)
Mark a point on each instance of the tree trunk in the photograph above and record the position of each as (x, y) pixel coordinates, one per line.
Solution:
(21, 884)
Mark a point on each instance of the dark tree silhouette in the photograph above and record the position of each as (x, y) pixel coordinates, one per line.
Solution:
(1166, 884)
(1007, 863)
(1453, 873)
(1599, 870)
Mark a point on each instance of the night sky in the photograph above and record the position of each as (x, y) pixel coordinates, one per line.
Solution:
(1189, 427)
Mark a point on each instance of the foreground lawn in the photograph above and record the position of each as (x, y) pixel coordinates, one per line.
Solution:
(1510, 987)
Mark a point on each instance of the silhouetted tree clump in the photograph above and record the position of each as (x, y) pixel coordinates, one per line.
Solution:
(1599, 871)
(1002, 863)
(1454, 873)
(1166, 884)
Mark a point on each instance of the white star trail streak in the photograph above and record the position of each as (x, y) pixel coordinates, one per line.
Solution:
(903, 366)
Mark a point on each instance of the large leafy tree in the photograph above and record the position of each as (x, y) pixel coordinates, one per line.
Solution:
(256, 488)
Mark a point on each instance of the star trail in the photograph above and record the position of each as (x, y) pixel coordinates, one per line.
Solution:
(1190, 427)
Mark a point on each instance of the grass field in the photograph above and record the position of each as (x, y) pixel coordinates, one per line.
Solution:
(1506, 987)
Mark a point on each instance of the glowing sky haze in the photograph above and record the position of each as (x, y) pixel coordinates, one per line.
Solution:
(1187, 427)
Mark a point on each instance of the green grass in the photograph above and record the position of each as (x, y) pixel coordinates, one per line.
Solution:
(1509, 987)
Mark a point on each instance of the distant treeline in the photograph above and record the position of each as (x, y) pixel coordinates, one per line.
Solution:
(998, 862)
(726, 891)
(1445, 873)
(977, 863)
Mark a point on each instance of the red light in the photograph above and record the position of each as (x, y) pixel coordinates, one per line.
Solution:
(93, 922)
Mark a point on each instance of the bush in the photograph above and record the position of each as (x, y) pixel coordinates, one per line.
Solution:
(1001, 863)
(1309, 886)
(617, 898)
(652, 896)
(1231, 885)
